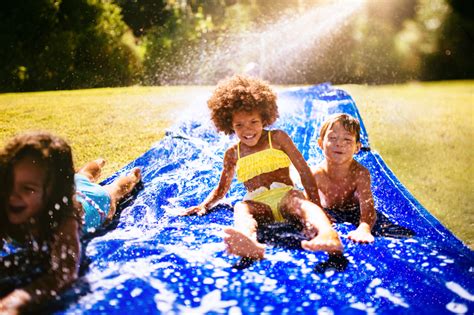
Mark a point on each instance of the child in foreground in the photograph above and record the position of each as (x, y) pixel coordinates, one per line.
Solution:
(343, 183)
(39, 210)
(261, 160)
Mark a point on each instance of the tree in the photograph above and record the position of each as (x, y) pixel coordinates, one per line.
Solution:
(64, 44)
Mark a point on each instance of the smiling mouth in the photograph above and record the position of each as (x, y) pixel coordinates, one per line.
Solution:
(16, 210)
(249, 137)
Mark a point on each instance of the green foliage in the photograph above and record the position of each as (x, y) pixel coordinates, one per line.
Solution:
(103, 56)
(437, 42)
(64, 44)
(172, 49)
(453, 56)
(59, 44)
(141, 15)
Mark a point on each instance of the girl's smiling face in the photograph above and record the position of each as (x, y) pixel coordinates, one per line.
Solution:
(248, 126)
(27, 196)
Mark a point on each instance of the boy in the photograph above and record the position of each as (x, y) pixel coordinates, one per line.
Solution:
(344, 184)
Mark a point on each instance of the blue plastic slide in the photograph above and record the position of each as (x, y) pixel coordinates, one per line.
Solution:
(154, 261)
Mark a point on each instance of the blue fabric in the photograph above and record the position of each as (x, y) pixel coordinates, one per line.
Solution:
(156, 262)
(98, 197)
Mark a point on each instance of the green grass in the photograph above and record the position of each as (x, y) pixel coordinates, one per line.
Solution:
(118, 124)
(423, 131)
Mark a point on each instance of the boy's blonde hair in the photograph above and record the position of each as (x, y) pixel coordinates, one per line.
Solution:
(349, 123)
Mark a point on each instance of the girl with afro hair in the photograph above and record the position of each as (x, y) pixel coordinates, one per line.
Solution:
(261, 160)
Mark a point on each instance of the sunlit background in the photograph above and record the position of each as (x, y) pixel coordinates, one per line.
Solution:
(57, 44)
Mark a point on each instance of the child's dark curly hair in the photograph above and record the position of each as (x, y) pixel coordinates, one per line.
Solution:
(54, 154)
(240, 93)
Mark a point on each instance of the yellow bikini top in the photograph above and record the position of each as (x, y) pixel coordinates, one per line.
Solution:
(257, 163)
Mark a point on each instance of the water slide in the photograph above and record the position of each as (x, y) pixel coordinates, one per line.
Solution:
(153, 261)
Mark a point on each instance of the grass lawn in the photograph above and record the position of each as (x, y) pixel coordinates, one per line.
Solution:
(423, 131)
(118, 124)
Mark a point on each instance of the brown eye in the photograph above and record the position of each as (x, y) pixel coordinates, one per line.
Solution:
(29, 190)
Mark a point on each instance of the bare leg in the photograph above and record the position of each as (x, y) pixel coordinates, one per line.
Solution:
(242, 240)
(92, 170)
(121, 187)
(314, 221)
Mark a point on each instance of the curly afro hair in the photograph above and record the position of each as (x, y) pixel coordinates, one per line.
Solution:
(241, 93)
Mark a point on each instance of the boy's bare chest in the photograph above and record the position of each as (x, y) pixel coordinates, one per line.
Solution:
(337, 193)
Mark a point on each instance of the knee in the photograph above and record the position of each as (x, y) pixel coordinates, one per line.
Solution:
(241, 207)
(249, 209)
(241, 212)
(294, 198)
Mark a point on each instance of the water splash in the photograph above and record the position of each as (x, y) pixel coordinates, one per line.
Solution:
(279, 51)
(288, 40)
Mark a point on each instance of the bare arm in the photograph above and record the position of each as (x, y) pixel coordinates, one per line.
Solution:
(366, 200)
(367, 210)
(65, 258)
(307, 178)
(222, 188)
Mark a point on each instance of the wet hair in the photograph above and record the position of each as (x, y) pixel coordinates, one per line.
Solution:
(241, 93)
(54, 155)
(349, 123)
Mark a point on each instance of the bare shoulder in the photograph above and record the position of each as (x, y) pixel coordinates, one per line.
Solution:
(361, 173)
(281, 140)
(279, 135)
(317, 170)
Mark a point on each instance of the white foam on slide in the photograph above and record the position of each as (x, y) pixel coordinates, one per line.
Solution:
(459, 290)
(382, 292)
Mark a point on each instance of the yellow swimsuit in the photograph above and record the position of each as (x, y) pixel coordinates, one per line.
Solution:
(261, 162)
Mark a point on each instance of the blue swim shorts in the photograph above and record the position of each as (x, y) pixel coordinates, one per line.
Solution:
(94, 199)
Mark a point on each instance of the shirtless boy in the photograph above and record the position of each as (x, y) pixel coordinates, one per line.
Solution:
(343, 183)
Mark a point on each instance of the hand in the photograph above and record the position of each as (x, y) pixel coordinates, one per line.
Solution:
(199, 210)
(11, 303)
(362, 234)
(4, 311)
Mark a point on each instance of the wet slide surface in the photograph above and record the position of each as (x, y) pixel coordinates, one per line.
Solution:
(153, 261)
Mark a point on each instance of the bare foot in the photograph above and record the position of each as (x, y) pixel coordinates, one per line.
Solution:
(241, 245)
(129, 182)
(93, 170)
(100, 162)
(136, 174)
(326, 241)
